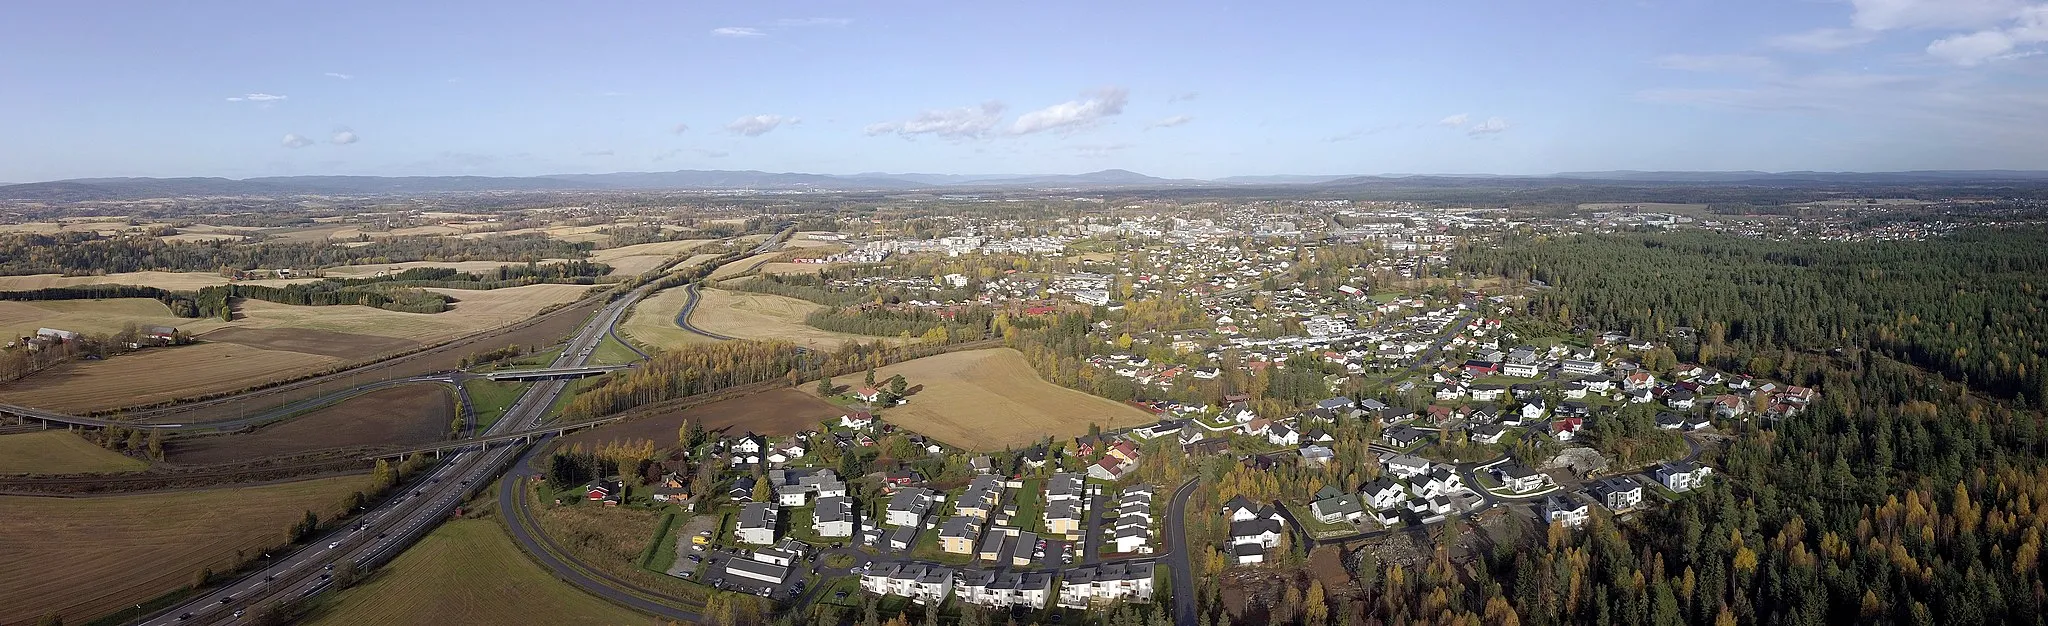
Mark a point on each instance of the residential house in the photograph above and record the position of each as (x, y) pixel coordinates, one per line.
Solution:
(1158, 429)
(868, 394)
(1281, 435)
(958, 534)
(1682, 476)
(983, 497)
(834, 517)
(1520, 370)
(1003, 590)
(1487, 392)
(1441, 481)
(909, 506)
(923, 584)
(757, 523)
(1406, 466)
(1065, 517)
(1404, 436)
(1486, 433)
(1317, 456)
(1558, 508)
(1519, 478)
(858, 420)
(1617, 493)
(1106, 583)
(1332, 506)
(1250, 539)
(1337, 407)
(1383, 494)
(1578, 367)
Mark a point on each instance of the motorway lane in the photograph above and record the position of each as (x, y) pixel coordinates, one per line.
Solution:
(393, 525)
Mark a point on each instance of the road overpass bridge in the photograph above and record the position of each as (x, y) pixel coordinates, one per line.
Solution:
(554, 373)
(27, 415)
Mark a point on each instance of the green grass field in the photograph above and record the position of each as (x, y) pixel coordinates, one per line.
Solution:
(491, 398)
(611, 352)
(467, 572)
(60, 452)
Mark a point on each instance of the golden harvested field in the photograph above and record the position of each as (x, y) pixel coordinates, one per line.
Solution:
(176, 281)
(762, 316)
(741, 266)
(634, 259)
(652, 322)
(988, 399)
(157, 375)
(20, 319)
(190, 237)
(60, 452)
(97, 555)
(467, 572)
(477, 311)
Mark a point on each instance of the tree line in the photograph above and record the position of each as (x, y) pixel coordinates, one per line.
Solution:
(78, 253)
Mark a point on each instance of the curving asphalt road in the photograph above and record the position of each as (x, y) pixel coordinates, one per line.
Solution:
(1185, 613)
(519, 520)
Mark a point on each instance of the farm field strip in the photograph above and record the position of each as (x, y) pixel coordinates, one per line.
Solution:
(467, 572)
(158, 375)
(105, 553)
(60, 452)
(652, 322)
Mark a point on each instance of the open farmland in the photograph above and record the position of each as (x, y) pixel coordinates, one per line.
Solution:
(652, 321)
(475, 311)
(535, 332)
(175, 281)
(20, 319)
(410, 414)
(467, 572)
(634, 259)
(762, 316)
(158, 375)
(347, 346)
(364, 271)
(779, 412)
(988, 399)
(101, 554)
(795, 268)
(60, 452)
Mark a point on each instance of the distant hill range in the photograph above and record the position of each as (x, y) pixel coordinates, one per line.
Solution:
(87, 189)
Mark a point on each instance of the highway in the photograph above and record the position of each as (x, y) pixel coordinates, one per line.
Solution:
(386, 530)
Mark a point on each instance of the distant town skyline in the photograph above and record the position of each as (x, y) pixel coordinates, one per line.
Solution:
(1177, 90)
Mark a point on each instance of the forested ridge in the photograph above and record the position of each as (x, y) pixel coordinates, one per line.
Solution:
(90, 253)
(402, 291)
(1973, 306)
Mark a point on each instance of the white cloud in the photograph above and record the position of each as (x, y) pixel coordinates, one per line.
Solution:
(256, 97)
(1171, 122)
(341, 76)
(1716, 63)
(813, 21)
(1492, 125)
(1881, 15)
(662, 155)
(598, 153)
(1073, 115)
(1179, 97)
(737, 31)
(343, 137)
(757, 125)
(957, 123)
(680, 129)
(1972, 49)
(1455, 120)
(1823, 40)
(294, 140)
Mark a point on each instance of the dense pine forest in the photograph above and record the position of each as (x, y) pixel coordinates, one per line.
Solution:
(1904, 496)
(88, 253)
(1973, 307)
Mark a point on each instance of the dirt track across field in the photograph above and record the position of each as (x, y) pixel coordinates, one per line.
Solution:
(409, 414)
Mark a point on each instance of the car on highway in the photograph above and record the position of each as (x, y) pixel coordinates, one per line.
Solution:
(333, 545)
(185, 617)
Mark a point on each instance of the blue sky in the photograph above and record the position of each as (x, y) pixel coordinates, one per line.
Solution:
(1180, 89)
